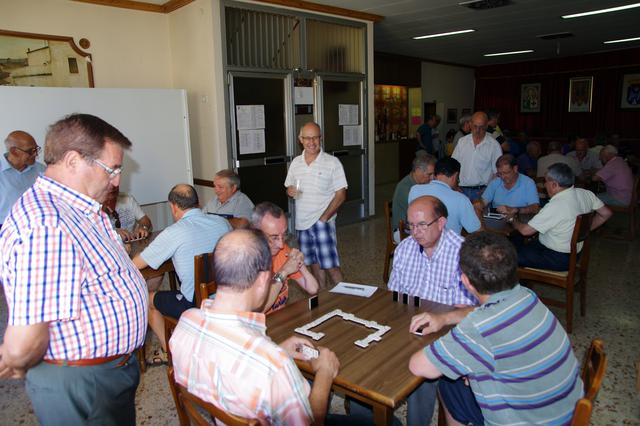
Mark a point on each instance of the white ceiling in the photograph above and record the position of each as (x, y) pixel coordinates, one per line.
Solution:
(508, 28)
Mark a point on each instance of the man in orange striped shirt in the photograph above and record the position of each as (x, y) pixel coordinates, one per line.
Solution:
(222, 354)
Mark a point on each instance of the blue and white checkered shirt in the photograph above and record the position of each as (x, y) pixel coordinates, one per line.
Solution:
(435, 278)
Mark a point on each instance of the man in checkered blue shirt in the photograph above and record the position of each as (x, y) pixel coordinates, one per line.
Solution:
(427, 265)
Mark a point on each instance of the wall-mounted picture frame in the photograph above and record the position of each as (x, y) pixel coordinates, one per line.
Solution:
(530, 97)
(630, 91)
(580, 94)
(452, 115)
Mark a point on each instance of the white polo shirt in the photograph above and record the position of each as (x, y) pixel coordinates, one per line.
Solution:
(319, 182)
(556, 220)
(478, 163)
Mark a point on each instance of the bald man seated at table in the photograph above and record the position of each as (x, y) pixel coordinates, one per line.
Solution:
(18, 169)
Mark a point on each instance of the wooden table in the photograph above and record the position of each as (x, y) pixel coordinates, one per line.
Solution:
(501, 226)
(148, 272)
(377, 375)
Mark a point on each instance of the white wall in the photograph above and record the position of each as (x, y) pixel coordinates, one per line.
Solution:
(450, 87)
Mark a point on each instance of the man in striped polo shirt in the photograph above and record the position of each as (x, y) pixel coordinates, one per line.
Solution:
(77, 304)
(509, 361)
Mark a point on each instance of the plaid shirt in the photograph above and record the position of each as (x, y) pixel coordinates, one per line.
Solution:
(61, 262)
(227, 359)
(435, 278)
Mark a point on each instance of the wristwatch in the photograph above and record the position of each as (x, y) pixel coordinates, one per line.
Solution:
(278, 277)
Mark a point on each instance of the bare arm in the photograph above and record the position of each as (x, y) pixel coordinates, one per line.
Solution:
(421, 366)
(139, 262)
(431, 323)
(523, 228)
(602, 215)
(326, 368)
(24, 346)
(308, 282)
(530, 209)
(274, 290)
(334, 205)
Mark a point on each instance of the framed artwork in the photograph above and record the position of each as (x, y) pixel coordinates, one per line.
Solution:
(580, 91)
(452, 115)
(530, 97)
(630, 92)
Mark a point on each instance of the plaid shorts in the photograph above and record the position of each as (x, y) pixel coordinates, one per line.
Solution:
(319, 245)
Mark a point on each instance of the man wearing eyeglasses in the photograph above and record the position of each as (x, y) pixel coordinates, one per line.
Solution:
(317, 182)
(287, 263)
(427, 265)
(18, 169)
(77, 304)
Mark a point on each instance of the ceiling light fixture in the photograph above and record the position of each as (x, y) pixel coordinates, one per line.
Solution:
(595, 12)
(443, 34)
(515, 52)
(622, 40)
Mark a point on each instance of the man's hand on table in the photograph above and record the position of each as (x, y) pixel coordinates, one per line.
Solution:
(509, 211)
(293, 346)
(327, 363)
(428, 322)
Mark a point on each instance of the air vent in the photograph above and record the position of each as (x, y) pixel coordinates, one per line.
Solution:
(554, 36)
(485, 4)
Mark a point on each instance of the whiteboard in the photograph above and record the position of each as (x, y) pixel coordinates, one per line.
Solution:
(155, 121)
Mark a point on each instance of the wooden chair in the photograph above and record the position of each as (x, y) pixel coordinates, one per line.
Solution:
(631, 210)
(574, 278)
(203, 278)
(190, 408)
(595, 364)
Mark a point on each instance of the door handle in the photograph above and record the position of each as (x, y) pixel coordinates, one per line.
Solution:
(275, 160)
(340, 153)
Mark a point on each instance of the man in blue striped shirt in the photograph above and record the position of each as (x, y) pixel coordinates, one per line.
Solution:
(509, 361)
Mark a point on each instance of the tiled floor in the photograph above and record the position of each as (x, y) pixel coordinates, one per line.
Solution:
(613, 313)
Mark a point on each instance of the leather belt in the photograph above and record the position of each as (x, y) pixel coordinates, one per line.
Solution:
(474, 187)
(90, 361)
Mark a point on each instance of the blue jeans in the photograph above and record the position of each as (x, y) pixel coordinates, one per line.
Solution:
(473, 192)
(460, 401)
(98, 395)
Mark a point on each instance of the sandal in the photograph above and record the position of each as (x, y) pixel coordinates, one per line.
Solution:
(159, 358)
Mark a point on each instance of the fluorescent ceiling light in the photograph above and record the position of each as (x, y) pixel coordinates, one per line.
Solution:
(515, 52)
(443, 34)
(622, 40)
(595, 12)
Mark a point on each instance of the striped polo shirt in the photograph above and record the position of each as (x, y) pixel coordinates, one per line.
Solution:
(62, 262)
(518, 360)
(227, 359)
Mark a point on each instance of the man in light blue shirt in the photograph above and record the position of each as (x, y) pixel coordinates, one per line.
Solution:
(461, 211)
(18, 169)
(511, 192)
(193, 233)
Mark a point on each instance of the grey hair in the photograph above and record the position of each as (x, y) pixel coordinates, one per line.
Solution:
(422, 161)
(464, 119)
(554, 146)
(610, 149)
(231, 176)
(263, 209)
(239, 258)
(561, 174)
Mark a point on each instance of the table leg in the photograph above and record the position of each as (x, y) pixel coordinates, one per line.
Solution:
(382, 415)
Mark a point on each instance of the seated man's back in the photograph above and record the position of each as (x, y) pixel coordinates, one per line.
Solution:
(228, 360)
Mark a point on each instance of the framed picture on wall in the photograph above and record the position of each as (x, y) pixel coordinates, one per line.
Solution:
(530, 97)
(580, 91)
(630, 92)
(452, 115)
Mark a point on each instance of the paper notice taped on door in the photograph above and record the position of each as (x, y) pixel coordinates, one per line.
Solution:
(251, 141)
(249, 117)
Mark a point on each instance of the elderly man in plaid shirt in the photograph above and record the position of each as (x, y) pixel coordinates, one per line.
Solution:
(77, 304)
(427, 265)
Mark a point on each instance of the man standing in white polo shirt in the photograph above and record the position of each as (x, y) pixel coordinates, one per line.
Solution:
(317, 182)
(477, 153)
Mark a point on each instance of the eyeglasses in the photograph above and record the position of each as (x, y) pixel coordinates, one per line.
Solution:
(113, 173)
(423, 226)
(310, 138)
(32, 151)
(275, 237)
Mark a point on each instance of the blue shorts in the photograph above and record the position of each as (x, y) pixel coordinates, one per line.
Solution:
(320, 245)
(460, 401)
(171, 303)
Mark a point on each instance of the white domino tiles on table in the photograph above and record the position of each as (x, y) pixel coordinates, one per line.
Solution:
(363, 343)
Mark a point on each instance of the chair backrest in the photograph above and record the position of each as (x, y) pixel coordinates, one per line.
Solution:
(402, 228)
(593, 368)
(202, 266)
(190, 408)
(582, 228)
(170, 324)
(634, 194)
(387, 218)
